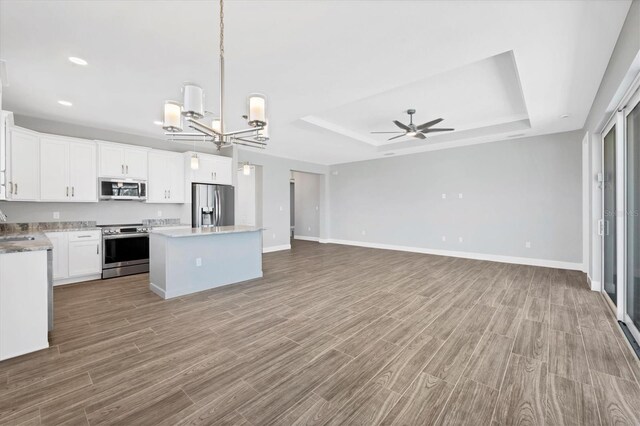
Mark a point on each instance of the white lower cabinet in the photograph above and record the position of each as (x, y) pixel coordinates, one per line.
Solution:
(23, 303)
(60, 254)
(77, 256)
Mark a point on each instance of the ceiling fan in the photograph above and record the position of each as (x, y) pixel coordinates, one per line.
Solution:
(416, 131)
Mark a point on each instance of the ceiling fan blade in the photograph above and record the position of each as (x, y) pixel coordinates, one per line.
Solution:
(429, 123)
(387, 132)
(401, 125)
(436, 130)
(396, 137)
(419, 136)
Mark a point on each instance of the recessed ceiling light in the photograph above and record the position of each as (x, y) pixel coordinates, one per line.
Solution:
(158, 123)
(78, 61)
(65, 103)
(564, 116)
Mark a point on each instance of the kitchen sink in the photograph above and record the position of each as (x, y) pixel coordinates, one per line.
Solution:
(17, 239)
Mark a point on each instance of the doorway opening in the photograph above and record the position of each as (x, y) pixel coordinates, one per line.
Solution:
(305, 195)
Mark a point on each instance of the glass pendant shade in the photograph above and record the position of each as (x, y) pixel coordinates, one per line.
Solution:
(257, 110)
(246, 170)
(172, 118)
(216, 125)
(193, 105)
(195, 162)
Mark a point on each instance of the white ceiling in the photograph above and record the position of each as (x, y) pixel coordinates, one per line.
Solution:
(332, 70)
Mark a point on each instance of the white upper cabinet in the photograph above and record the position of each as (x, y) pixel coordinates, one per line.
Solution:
(23, 171)
(67, 170)
(212, 169)
(83, 171)
(122, 161)
(166, 177)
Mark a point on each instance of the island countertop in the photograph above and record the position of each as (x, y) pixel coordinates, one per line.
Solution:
(12, 244)
(208, 230)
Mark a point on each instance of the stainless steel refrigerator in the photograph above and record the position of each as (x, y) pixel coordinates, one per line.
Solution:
(211, 205)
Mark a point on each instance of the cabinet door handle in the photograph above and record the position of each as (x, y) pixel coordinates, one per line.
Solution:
(97, 248)
(169, 194)
(10, 187)
(67, 191)
(73, 191)
(84, 236)
(127, 167)
(165, 194)
(16, 185)
(215, 176)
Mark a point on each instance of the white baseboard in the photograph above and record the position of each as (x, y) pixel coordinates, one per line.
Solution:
(595, 285)
(276, 248)
(157, 290)
(305, 238)
(467, 255)
(74, 280)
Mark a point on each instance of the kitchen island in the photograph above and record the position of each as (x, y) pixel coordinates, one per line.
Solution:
(185, 261)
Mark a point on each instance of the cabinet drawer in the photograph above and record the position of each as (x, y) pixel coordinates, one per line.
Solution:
(83, 236)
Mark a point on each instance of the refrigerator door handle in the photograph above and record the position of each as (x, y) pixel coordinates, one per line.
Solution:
(218, 206)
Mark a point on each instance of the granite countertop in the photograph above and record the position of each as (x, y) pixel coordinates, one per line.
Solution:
(39, 242)
(8, 229)
(209, 230)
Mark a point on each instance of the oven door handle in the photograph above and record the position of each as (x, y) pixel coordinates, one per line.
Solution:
(116, 237)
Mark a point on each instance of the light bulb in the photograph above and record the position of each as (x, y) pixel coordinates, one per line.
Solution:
(195, 162)
(246, 170)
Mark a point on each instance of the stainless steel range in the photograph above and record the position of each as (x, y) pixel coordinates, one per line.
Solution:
(125, 250)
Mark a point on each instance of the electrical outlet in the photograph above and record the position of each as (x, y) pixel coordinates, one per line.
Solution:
(198, 261)
(527, 244)
(364, 232)
(308, 228)
(274, 235)
(444, 196)
(159, 213)
(460, 195)
(444, 238)
(460, 239)
(56, 215)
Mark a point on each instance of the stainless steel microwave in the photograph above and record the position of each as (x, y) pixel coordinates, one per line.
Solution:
(122, 189)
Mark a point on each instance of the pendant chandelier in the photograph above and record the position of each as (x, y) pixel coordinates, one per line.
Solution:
(177, 115)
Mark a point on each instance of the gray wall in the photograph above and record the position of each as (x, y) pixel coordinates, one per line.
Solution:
(307, 204)
(616, 79)
(276, 173)
(513, 191)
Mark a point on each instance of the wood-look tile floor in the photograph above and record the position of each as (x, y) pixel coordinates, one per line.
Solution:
(334, 335)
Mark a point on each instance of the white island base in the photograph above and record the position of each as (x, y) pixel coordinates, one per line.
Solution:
(185, 261)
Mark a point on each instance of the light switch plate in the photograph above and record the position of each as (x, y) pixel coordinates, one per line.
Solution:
(444, 196)
(56, 215)
(527, 244)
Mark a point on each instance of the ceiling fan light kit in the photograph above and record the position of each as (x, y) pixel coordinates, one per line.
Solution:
(413, 130)
(192, 109)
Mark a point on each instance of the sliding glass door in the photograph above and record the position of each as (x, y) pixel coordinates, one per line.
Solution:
(609, 216)
(632, 296)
